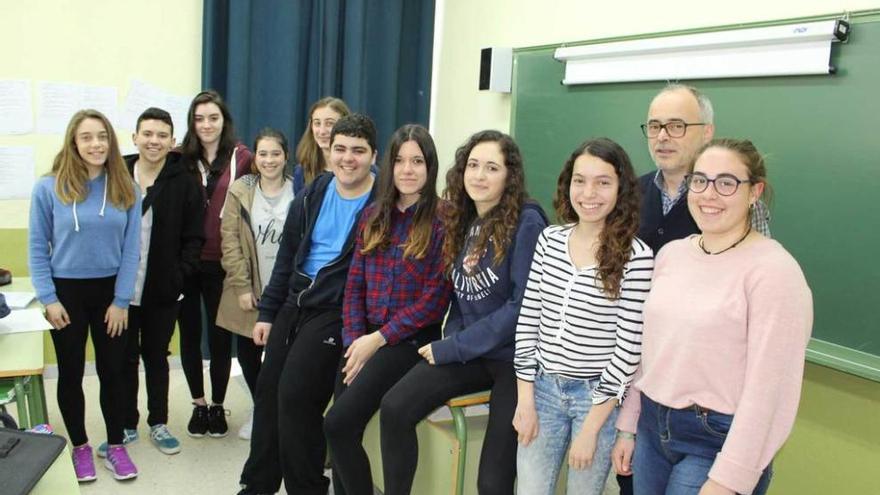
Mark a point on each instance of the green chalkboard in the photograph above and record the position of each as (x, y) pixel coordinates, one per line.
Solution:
(821, 135)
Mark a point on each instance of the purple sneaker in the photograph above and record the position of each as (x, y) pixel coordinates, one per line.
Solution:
(119, 463)
(84, 463)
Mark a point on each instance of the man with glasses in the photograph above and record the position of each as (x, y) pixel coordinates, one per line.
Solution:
(680, 121)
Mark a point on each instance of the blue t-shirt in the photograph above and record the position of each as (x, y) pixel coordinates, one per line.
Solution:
(335, 221)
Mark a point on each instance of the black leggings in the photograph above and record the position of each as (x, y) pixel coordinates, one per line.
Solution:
(206, 284)
(149, 332)
(293, 389)
(427, 387)
(355, 405)
(86, 302)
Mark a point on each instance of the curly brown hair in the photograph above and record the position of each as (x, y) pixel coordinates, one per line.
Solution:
(499, 224)
(621, 225)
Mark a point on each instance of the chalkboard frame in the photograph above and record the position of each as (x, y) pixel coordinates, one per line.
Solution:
(547, 133)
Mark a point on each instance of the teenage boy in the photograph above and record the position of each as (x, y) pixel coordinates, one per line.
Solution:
(300, 318)
(171, 240)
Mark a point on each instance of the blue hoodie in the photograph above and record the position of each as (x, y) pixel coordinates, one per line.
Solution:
(482, 319)
(88, 239)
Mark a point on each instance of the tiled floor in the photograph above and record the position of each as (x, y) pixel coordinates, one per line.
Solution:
(205, 465)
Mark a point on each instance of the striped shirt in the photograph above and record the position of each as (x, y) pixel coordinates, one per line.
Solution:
(568, 326)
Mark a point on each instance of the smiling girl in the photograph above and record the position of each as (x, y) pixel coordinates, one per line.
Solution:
(579, 330)
(255, 212)
(211, 152)
(83, 247)
(395, 298)
(725, 334)
(313, 150)
(491, 230)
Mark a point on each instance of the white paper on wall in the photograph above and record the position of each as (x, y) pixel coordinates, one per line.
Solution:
(16, 114)
(17, 177)
(143, 95)
(58, 101)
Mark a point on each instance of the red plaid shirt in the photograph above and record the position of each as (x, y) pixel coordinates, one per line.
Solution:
(399, 295)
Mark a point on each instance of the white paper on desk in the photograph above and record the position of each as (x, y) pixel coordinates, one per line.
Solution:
(16, 114)
(18, 300)
(57, 102)
(24, 320)
(16, 172)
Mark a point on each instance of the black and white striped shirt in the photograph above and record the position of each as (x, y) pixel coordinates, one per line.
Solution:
(568, 325)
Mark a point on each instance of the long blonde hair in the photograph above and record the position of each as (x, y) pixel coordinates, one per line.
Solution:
(72, 174)
(308, 153)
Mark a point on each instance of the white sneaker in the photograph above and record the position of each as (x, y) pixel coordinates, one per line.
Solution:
(244, 432)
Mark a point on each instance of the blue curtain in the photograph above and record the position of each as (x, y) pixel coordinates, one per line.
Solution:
(271, 59)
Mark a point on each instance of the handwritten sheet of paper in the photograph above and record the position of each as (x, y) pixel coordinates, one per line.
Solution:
(24, 320)
(57, 102)
(16, 115)
(17, 177)
(143, 95)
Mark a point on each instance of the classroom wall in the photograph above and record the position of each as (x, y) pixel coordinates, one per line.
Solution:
(459, 109)
(96, 42)
(834, 445)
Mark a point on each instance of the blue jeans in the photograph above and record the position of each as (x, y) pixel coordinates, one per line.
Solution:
(562, 405)
(675, 449)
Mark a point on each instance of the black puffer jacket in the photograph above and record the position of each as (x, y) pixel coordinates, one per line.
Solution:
(176, 237)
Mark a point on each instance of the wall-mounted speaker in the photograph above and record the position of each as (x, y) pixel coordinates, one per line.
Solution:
(496, 66)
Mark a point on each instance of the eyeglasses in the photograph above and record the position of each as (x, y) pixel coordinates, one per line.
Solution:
(725, 184)
(674, 128)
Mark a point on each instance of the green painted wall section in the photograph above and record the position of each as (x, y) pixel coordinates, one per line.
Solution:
(835, 445)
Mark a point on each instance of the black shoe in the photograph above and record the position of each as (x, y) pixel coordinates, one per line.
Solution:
(198, 423)
(217, 426)
(244, 491)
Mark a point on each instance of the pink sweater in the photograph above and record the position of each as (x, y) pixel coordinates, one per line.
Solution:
(727, 332)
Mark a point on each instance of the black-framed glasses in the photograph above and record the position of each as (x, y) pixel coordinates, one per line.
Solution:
(725, 184)
(674, 128)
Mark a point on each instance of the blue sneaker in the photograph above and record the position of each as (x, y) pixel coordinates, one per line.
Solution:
(128, 436)
(164, 440)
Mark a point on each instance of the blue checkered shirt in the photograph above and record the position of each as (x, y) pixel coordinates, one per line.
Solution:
(760, 214)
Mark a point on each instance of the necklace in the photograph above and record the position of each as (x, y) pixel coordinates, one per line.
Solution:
(728, 248)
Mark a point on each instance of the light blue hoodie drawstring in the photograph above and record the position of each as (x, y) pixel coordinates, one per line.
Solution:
(101, 213)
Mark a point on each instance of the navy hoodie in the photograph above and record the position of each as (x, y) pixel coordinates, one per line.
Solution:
(484, 311)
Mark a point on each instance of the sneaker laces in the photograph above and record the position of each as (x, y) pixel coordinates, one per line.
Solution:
(160, 433)
(82, 455)
(215, 407)
(119, 457)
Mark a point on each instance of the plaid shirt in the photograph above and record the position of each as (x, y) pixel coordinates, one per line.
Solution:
(399, 295)
(760, 215)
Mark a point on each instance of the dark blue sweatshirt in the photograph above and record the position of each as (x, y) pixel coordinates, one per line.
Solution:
(482, 319)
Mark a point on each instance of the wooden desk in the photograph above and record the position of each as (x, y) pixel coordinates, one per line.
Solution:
(21, 358)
